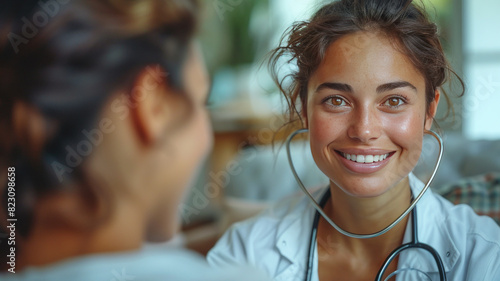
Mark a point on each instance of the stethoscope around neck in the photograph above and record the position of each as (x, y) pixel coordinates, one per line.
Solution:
(413, 244)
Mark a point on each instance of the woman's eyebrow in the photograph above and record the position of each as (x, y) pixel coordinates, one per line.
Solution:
(335, 86)
(394, 85)
(380, 89)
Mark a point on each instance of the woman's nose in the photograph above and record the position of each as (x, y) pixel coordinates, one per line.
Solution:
(365, 125)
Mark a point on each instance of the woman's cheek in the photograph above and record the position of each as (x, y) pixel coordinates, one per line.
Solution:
(325, 127)
(406, 131)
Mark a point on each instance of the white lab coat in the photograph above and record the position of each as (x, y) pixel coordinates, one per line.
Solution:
(277, 240)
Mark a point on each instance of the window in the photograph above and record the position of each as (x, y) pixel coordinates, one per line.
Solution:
(481, 69)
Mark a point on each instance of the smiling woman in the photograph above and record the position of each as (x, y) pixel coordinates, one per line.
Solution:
(366, 89)
(354, 107)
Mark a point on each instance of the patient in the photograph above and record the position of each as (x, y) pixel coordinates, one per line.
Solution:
(103, 126)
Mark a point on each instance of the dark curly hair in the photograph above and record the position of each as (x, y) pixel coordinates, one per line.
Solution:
(304, 44)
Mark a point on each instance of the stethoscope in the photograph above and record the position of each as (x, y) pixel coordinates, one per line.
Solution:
(413, 244)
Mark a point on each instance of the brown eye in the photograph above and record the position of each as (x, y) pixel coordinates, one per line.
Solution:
(337, 101)
(394, 102)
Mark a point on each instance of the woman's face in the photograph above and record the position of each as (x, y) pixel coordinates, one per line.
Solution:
(366, 114)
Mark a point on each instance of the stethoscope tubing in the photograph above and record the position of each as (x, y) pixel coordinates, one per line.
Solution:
(415, 243)
(390, 226)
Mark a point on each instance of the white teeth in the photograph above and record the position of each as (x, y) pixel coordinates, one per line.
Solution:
(360, 158)
(369, 159)
(365, 158)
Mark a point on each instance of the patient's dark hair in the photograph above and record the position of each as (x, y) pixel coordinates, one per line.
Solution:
(65, 60)
(406, 24)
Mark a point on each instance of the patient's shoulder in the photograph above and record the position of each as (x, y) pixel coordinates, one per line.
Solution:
(161, 264)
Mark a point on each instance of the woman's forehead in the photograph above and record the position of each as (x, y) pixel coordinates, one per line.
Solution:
(365, 57)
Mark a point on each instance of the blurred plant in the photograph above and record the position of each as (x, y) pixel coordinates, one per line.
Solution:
(227, 37)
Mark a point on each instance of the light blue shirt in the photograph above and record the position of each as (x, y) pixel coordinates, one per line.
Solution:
(145, 265)
(277, 241)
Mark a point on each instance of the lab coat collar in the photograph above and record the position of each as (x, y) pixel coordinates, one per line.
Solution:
(292, 230)
(430, 232)
(297, 225)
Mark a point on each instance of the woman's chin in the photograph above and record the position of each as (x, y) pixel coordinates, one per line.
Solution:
(363, 193)
(366, 188)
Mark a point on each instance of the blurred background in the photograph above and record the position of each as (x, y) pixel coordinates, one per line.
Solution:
(248, 170)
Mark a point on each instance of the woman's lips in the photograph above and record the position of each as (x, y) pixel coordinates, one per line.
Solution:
(364, 163)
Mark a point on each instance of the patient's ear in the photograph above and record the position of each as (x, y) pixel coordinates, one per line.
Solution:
(155, 104)
(29, 128)
(431, 112)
